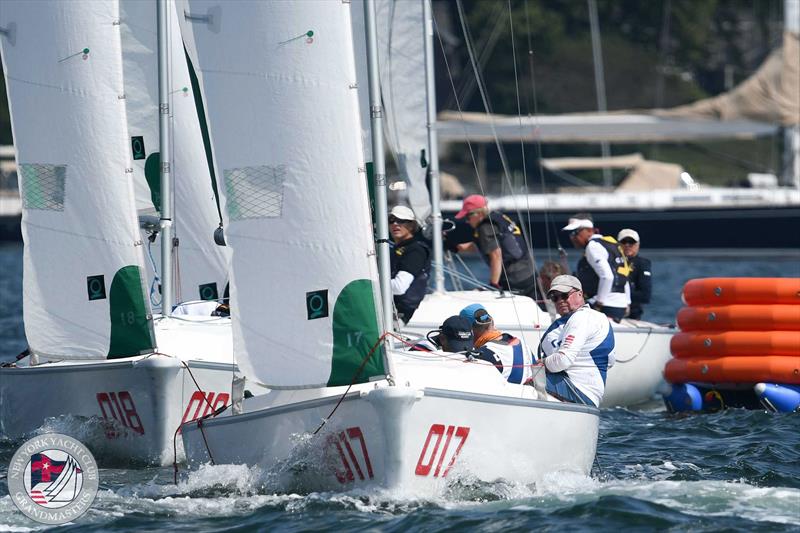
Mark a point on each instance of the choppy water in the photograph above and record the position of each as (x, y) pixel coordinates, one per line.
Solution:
(734, 470)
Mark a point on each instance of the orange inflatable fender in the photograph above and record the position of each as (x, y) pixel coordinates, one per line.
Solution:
(726, 291)
(740, 317)
(704, 344)
(770, 369)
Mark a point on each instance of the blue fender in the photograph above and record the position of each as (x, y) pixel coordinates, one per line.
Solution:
(683, 397)
(778, 398)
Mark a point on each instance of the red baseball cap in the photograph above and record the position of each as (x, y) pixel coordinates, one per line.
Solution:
(471, 202)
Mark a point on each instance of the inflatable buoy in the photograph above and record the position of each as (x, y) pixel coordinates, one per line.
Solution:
(778, 398)
(771, 369)
(683, 397)
(726, 291)
(688, 345)
(779, 317)
(739, 346)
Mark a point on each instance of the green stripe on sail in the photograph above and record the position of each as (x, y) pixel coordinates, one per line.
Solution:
(131, 332)
(201, 117)
(355, 332)
(371, 188)
(152, 173)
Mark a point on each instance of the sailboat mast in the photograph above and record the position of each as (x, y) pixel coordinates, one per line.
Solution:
(379, 164)
(433, 149)
(164, 84)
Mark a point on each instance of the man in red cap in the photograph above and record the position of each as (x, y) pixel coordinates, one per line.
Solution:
(501, 244)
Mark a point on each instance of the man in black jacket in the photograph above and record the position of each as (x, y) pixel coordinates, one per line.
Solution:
(640, 277)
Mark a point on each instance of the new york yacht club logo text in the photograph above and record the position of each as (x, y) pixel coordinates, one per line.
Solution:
(53, 478)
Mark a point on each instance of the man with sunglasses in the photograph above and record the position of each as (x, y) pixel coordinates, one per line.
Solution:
(603, 269)
(410, 262)
(578, 347)
(501, 244)
(640, 277)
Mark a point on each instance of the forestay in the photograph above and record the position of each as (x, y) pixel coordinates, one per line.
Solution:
(282, 106)
(200, 269)
(83, 289)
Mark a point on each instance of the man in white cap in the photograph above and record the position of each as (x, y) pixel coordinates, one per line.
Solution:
(640, 277)
(501, 244)
(410, 262)
(577, 348)
(603, 269)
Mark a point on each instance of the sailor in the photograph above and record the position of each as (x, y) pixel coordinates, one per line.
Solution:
(410, 262)
(501, 244)
(547, 272)
(454, 335)
(578, 347)
(603, 269)
(640, 278)
(508, 353)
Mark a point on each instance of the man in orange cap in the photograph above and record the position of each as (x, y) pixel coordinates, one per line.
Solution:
(501, 244)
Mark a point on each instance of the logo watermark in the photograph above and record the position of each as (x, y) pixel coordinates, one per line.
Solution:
(53, 479)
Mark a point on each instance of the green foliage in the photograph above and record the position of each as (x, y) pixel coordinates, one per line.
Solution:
(659, 53)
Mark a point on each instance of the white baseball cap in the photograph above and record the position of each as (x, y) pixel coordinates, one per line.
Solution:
(402, 212)
(575, 223)
(628, 234)
(565, 283)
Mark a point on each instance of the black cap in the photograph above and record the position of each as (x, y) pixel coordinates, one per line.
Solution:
(458, 332)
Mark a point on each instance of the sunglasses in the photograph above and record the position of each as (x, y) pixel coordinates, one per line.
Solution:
(575, 232)
(394, 220)
(627, 241)
(558, 296)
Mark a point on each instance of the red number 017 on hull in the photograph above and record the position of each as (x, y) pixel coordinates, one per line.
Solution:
(438, 432)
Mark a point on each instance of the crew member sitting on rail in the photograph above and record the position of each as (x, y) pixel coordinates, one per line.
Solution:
(454, 335)
(578, 348)
(508, 353)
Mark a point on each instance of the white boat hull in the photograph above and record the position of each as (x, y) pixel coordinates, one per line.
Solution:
(445, 418)
(642, 348)
(124, 409)
(403, 439)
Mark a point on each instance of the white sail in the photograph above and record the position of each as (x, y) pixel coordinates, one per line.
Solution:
(83, 288)
(401, 60)
(282, 106)
(401, 40)
(200, 270)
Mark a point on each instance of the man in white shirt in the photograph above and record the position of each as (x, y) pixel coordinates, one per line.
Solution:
(603, 270)
(578, 347)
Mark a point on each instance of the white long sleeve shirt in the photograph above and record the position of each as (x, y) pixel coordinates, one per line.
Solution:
(582, 345)
(597, 257)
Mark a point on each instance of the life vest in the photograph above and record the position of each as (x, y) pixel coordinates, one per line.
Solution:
(509, 236)
(620, 268)
(507, 353)
(408, 302)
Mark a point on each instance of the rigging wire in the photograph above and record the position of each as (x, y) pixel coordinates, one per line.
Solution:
(504, 161)
(548, 222)
(529, 233)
